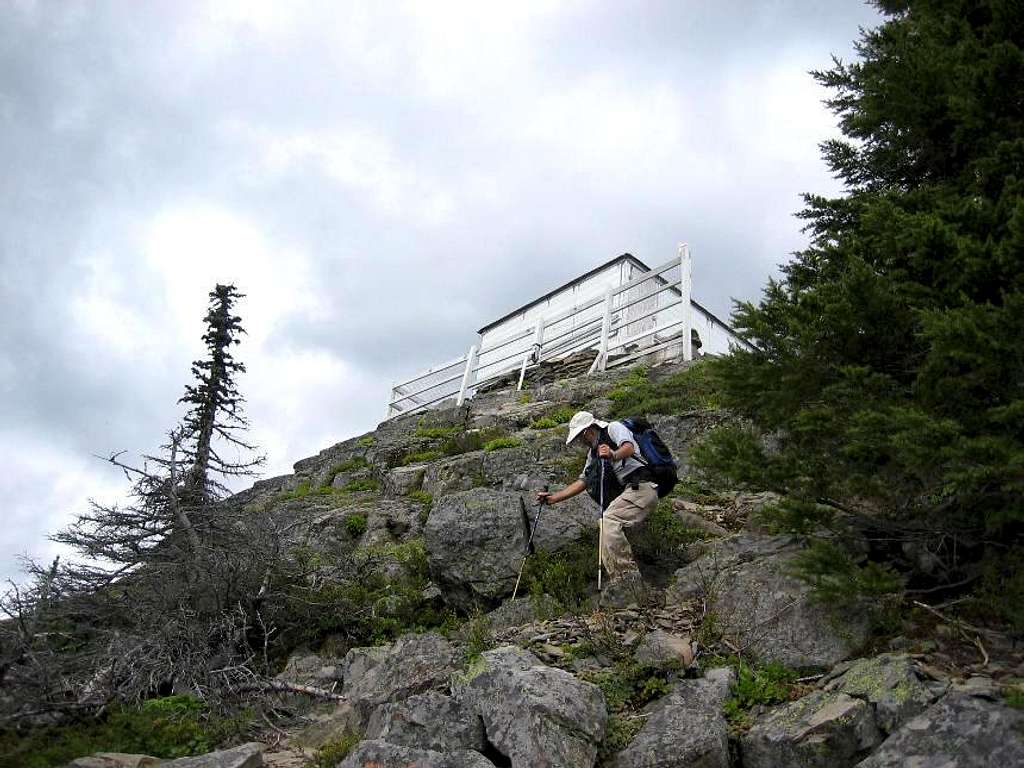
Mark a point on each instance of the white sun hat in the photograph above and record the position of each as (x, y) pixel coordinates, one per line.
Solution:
(581, 421)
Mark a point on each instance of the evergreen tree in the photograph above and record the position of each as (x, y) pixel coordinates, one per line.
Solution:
(215, 403)
(889, 363)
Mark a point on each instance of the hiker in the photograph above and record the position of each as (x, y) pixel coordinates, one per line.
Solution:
(630, 494)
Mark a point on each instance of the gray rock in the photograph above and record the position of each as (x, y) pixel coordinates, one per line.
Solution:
(759, 605)
(307, 668)
(537, 716)
(413, 664)
(890, 683)
(427, 721)
(685, 728)
(114, 760)
(960, 731)
(400, 480)
(475, 542)
(818, 731)
(661, 649)
(246, 756)
(381, 754)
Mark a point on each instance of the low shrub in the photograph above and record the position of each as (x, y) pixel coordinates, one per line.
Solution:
(566, 575)
(422, 457)
(366, 441)
(691, 389)
(175, 726)
(355, 525)
(659, 539)
(362, 484)
(499, 443)
(435, 432)
(336, 750)
(553, 419)
(756, 684)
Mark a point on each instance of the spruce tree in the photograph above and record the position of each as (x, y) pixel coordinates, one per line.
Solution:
(888, 364)
(214, 403)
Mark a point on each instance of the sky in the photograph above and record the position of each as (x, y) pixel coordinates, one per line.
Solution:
(379, 179)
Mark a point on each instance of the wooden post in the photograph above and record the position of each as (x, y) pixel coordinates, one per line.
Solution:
(606, 326)
(468, 375)
(685, 286)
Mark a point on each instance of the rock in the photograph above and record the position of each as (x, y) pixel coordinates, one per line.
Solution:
(661, 649)
(400, 480)
(685, 728)
(759, 605)
(522, 611)
(307, 668)
(427, 721)
(381, 754)
(818, 731)
(695, 521)
(959, 731)
(890, 683)
(246, 756)
(413, 664)
(114, 760)
(476, 539)
(325, 727)
(534, 715)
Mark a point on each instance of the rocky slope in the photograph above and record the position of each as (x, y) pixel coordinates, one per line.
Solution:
(627, 680)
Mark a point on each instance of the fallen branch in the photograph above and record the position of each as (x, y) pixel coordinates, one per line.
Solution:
(277, 685)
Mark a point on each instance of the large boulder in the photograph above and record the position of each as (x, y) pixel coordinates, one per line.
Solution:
(381, 754)
(891, 683)
(536, 716)
(759, 605)
(245, 756)
(960, 731)
(378, 675)
(685, 728)
(818, 731)
(427, 721)
(476, 540)
(115, 760)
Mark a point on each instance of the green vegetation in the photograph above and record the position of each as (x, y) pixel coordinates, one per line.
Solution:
(356, 462)
(524, 398)
(366, 441)
(887, 362)
(627, 687)
(435, 432)
(566, 575)
(553, 419)
(688, 390)
(756, 684)
(333, 752)
(1013, 695)
(355, 524)
(499, 443)
(362, 484)
(303, 489)
(176, 726)
(422, 457)
(659, 539)
(424, 498)
(478, 634)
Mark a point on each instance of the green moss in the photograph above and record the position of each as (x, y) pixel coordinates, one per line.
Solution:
(303, 489)
(366, 441)
(435, 432)
(499, 443)
(619, 734)
(524, 398)
(1013, 695)
(553, 418)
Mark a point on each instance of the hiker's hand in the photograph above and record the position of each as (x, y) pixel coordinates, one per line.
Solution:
(604, 451)
(544, 497)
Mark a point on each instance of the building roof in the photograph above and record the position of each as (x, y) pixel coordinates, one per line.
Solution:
(611, 262)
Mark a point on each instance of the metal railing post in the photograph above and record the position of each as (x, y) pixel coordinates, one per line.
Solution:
(470, 365)
(534, 353)
(685, 285)
(606, 326)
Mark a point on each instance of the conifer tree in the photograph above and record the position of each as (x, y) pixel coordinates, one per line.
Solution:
(888, 360)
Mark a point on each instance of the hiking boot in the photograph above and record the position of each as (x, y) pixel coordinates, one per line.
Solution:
(627, 591)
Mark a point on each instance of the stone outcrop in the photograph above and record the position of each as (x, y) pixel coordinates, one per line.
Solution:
(381, 754)
(686, 728)
(244, 756)
(427, 721)
(476, 540)
(960, 731)
(820, 730)
(662, 649)
(534, 715)
(760, 606)
(378, 675)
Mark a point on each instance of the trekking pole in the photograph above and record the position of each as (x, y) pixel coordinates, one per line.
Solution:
(600, 531)
(529, 544)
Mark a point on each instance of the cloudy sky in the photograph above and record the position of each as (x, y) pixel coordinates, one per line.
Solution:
(379, 178)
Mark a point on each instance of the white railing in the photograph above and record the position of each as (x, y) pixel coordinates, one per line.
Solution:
(644, 315)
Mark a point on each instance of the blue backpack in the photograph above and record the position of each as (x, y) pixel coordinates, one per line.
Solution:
(654, 453)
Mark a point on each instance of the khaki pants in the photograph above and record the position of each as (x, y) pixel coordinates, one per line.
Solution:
(627, 510)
